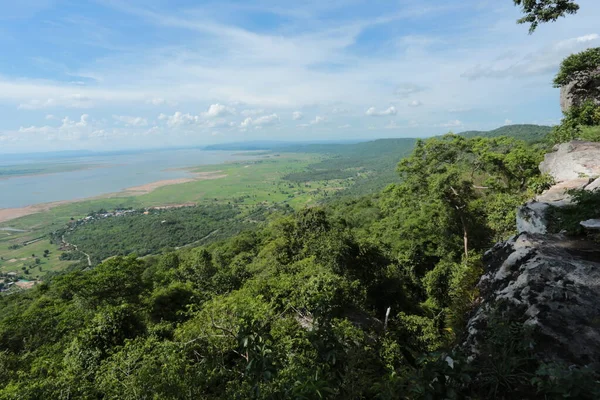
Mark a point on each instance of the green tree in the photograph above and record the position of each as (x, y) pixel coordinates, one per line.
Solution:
(541, 11)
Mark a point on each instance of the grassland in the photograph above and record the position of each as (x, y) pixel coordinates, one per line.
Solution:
(245, 184)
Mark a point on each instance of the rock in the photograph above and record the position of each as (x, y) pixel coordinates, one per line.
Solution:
(558, 195)
(532, 217)
(593, 186)
(549, 283)
(575, 93)
(593, 224)
(573, 160)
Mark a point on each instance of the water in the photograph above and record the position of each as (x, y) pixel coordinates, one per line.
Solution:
(115, 173)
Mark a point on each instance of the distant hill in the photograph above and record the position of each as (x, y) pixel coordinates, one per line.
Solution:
(527, 132)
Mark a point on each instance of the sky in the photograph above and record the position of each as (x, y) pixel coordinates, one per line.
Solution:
(116, 74)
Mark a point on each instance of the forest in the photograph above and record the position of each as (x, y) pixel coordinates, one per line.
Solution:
(362, 297)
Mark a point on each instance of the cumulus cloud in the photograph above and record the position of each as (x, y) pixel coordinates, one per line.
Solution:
(372, 112)
(267, 120)
(131, 121)
(415, 103)
(179, 119)
(218, 110)
(297, 115)
(69, 129)
(260, 121)
(507, 122)
(318, 120)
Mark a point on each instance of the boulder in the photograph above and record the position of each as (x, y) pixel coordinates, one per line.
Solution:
(573, 160)
(550, 284)
(595, 185)
(557, 194)
(592, 224)
(532, 217)
(577, 92)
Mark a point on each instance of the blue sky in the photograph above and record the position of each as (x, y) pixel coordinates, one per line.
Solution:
(110, 74)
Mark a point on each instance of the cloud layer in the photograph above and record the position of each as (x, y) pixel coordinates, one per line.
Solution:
(232, 71)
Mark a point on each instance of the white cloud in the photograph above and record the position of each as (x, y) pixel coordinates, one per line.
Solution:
(297, 115)
(408, 89)
(37, 104)
(318, 120)
(534, 63)
(156, 101)
(345, 126)
(131, 121)
(265, 120)
(179, 119)
(252, 113)
(67, 101)
(50, 116)
(218, 110)
(372, 112)
(415, 103)
(339, 110)
(507, 122)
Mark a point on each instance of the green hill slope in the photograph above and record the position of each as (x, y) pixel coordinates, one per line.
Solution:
(527, 132)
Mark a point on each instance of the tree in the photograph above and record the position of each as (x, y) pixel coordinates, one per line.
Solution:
(541, 11)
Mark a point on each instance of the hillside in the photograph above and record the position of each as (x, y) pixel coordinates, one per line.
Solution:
(527, 132)
(356, 299)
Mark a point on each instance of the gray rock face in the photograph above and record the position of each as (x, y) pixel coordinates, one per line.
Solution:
(575, 93)
(573, 160)
(592, 224)
(558, 193)
(549, 283)
(532, 217)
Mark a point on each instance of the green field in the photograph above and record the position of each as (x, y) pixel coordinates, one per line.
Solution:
(246, 184)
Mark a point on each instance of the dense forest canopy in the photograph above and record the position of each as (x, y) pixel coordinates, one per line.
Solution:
(362, 298)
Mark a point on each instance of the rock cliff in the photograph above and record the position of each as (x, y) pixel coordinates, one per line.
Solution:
(581, 90)
(549, 283)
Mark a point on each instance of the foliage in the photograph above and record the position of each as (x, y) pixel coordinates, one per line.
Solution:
(361, 298)
(577, 66)
(541, 11)
(568, 218)
(526, 132)
(579, 122)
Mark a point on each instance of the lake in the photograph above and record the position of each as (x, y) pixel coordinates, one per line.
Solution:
(113, 173)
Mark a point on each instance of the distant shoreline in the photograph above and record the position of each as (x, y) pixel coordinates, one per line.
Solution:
(8, 214)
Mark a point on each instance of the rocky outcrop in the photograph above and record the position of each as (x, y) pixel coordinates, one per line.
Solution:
(574, 165)
(580, 90)
(573, 160)
(550, 284)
